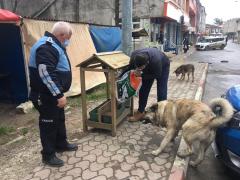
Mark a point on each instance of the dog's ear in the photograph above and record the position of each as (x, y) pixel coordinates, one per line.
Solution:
(154, 107)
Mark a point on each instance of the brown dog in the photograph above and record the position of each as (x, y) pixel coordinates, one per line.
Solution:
(197, 120)
(183, 69)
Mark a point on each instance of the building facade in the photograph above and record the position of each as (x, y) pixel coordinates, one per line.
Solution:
(231, 28)
(166, 21)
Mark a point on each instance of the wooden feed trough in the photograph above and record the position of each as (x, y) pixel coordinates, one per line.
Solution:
(110, 113)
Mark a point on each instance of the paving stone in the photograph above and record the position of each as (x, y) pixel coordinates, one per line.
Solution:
(96, 166)
(136, 137)
(122, 138)
(87, 148)
(131, 159)
(103, 159)
(131, 141)
(138, 172)
(90, 157)
(102, 147)
(143, 164)
(118, 157)
(168, 165)
(28, 177)
(108, 172)
(140, 133)
(39, 168)
(65, 168)
(97, 152)
(123, 152)
(75, 172)
(36, 178)
(121, 174)
(99, 138)
(153, 176)
(164, 155)
(113, 148)
(43, 173)
(73, 160)
(66, 178)
(134, 178)
(81, 153)
(126, 167)
(100, 178)
(156, 168)
(113, 163)
(87, 174)
(56, 175)
(107, 141)
(93, 143)
(160, 161)
(83, 165)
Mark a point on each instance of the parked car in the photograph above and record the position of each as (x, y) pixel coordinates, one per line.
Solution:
(211, 42)
(227, 143)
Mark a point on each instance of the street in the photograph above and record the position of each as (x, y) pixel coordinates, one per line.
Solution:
(221, 76)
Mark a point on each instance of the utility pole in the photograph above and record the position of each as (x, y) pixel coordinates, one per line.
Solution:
(117, 6)
(127, 26)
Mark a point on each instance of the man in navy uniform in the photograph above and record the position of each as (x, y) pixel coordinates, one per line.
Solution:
(154, 65)
(50, 78)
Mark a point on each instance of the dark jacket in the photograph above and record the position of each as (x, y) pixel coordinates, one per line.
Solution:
(157, 60)
(49, 66)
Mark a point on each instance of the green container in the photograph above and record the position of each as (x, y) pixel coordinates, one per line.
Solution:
(107, 119)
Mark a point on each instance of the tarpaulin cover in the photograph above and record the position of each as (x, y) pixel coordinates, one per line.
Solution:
(81, 47)
(6, 15)
(106, 39)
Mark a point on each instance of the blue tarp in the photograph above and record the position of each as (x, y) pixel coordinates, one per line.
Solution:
(106, 39)
(13, 83)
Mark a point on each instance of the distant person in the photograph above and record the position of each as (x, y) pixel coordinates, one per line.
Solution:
(185, 44)
(154, 65)
(50, 77)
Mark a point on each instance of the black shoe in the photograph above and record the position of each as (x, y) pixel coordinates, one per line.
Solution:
(53, 161)
(69, 147)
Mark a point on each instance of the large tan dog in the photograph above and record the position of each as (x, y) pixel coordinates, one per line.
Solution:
(197, 120)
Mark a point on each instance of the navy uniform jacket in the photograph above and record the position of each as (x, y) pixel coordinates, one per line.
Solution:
(156, 62)
(49, 66)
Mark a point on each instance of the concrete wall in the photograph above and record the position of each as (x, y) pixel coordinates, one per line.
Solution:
(232, 25)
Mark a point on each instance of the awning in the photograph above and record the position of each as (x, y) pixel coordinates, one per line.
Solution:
(7, 16)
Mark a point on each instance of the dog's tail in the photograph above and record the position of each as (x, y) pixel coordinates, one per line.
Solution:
(223, 110)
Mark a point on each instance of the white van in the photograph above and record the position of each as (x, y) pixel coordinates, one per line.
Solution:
(211, 42)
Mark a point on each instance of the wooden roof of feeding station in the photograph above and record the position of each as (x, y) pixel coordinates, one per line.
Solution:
(113, 60)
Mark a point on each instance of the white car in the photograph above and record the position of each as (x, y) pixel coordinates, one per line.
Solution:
(211, 42)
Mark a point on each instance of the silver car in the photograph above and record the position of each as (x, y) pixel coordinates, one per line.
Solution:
(211, 42)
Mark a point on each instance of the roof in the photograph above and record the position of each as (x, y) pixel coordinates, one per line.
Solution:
(139, 32)
(7, 16)
(114, 60)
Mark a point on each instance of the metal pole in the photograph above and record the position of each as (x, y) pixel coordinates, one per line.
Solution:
(127, 26)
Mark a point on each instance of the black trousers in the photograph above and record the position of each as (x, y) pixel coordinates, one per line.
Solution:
(51, 125)
(162, 85)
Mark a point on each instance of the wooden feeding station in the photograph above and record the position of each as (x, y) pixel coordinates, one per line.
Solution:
(110, 113)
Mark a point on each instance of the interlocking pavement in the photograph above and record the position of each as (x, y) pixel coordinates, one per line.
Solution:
(127, 155)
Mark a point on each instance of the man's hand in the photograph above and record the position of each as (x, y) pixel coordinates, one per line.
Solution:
(62, 102)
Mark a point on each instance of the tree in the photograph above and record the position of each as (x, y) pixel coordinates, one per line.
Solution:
(218, 21)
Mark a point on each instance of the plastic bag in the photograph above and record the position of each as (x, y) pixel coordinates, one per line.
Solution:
(128, 85)
(233, 96)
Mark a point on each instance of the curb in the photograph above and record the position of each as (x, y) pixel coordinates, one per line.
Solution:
(180, 165)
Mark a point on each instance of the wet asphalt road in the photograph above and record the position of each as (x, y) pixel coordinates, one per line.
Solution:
(221, 76)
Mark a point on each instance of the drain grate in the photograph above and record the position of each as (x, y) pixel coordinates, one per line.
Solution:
(224, 61)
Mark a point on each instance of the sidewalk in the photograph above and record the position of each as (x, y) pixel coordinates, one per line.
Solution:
(128, 155)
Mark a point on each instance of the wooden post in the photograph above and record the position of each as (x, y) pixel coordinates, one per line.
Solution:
(113, 102)
(132, 106)
(108, 85)
(84, 100)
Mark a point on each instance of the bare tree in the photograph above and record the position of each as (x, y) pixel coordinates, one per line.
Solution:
(218, 21)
